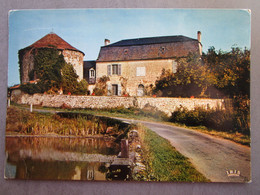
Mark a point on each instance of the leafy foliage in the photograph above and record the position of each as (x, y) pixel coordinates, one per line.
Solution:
(231, 69)
(53, 74)
(101, 87)
(32, 88)
(215, 74)
(70, 82)
(48, 64)
(229, 119)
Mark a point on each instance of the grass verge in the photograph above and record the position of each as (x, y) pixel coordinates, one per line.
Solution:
(164, 162)
(149, 115)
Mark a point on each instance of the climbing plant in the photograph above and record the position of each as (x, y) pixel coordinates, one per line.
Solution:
(53, 74)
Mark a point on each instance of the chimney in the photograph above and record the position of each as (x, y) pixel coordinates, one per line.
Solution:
(107, 42)
(199, 36)
(199, 40)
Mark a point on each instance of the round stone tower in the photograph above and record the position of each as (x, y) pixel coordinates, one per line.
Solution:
(51, 40)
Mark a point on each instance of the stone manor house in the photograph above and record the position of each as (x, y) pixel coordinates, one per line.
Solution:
(132, 65)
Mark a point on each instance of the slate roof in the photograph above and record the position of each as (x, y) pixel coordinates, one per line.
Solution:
(52, 40)
(89, 64)
(151, 40)
(151, 48)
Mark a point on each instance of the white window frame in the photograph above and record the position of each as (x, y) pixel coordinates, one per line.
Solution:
(91, 73)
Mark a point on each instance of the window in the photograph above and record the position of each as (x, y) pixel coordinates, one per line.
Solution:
(91, 73)
(174, 67)
(114, 69)
(140, 71)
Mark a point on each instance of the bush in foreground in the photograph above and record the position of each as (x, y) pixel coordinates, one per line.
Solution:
(229, 120)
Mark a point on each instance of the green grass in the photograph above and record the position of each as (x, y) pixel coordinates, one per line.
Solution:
(164, 162)
(151, 116)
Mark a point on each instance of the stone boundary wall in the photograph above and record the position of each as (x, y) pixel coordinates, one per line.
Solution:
(167, 105)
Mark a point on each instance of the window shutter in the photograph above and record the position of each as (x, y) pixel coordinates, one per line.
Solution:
(119, 90)
(119, 69)
(174, 67)
(108, 70)
(109, 89)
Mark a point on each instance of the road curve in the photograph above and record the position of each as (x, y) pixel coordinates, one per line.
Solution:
(210, 155)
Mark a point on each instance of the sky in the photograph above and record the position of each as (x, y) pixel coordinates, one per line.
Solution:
(86, 29)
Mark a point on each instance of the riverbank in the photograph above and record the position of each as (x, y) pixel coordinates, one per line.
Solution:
(22, 122)
(149, 114)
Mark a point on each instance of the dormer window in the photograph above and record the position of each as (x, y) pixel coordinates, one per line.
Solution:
(162, 50)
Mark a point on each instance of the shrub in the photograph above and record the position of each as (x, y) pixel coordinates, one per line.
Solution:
(101, 86)
(32, 88)
(232, 120)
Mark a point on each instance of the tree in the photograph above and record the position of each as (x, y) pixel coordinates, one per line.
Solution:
(191, 79)
(192, 71)
(69, 79)
(70, 82)
(53, 74)
(231, 69)
(215, 74)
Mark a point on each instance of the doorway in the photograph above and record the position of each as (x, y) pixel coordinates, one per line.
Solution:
(114, 89)
(140, 90)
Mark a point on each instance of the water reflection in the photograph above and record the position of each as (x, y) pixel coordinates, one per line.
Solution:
(59, 158)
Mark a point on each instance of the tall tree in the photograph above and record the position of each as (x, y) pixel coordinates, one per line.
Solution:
(231, 69)
(70, 82)
(191, 79)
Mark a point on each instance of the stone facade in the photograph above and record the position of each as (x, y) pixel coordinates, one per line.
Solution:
(73, 57)
(166, 105)
(134, 65)
(135, 74)
(76, 59)
(27, 64)
(51, 40)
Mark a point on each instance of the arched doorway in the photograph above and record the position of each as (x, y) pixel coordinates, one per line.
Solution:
(140, 90)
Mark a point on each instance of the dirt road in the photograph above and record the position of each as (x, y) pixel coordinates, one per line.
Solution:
(212, 156)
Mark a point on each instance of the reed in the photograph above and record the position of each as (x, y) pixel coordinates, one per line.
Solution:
(23, 122)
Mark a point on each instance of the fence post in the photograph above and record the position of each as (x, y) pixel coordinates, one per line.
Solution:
(124, 148)
(31, 107)
(8, 102)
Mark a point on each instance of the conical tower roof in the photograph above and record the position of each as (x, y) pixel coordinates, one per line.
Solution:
(52, 40)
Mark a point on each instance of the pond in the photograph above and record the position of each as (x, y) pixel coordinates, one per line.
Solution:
(60, 158)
